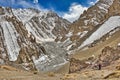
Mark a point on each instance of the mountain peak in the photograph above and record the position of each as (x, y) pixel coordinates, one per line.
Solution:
(27, 36)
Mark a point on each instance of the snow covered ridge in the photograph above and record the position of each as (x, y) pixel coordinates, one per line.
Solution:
(27, 36)
(109, 25)
(41, 24)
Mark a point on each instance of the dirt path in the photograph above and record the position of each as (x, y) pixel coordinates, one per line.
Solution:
(26, 75)
(88, 74)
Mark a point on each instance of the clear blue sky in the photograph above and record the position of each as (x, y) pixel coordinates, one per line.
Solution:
(62, 7)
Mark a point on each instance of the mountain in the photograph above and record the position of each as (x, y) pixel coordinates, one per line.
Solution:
(100, 45)
(31, 39)
(93, 24)
(27, 38)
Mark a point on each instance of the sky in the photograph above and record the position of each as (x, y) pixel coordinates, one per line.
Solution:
(68, 9)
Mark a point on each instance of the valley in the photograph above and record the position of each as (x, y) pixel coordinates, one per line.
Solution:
(40, 45)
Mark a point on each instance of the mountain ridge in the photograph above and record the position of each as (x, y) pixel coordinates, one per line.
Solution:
(42, 40)
(86, 24)
(27, 38)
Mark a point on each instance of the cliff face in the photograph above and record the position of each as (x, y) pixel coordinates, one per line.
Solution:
(27, 38)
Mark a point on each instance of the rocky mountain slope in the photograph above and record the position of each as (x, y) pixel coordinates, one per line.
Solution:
(31, 39)
(107, 57)
(27, 38)
(80, 69)
(93, 24)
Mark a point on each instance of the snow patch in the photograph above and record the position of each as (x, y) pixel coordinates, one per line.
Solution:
(42, 59)
(78, 33)
(23, 15)
(83, 33)
(69, 34)
(118, 44)
(109, 25)
(10, 35)
(68, 48)
(86, 22)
